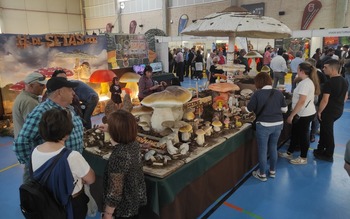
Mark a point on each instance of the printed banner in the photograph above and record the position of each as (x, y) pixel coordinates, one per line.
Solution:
(23, 54)
(310, 11)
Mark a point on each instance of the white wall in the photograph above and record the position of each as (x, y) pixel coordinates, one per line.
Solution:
(41, 16)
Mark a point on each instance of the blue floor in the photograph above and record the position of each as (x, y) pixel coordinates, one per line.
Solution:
(318, 190)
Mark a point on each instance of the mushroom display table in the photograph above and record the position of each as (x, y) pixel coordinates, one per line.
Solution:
(189, 190)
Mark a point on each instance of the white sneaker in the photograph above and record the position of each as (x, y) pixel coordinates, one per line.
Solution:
(257, 175)
(298, 160)
(285, 155)
(272, 174)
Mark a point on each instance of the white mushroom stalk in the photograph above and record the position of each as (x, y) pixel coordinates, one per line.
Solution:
(163, 104)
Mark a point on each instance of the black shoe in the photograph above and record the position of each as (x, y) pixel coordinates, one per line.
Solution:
(324, 157)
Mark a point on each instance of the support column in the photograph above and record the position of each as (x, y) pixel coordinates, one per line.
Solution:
(165, 18)
(340, 12)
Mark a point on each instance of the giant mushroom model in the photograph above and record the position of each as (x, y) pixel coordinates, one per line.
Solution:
(237, 22)
(165, 103)
(103, 77)
(253, 55)
(131, 79)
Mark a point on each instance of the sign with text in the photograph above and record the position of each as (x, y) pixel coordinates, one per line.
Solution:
(258, 8)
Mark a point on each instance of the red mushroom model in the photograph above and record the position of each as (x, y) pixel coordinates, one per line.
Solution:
(103, 77)
(19, 86)
(49, 71)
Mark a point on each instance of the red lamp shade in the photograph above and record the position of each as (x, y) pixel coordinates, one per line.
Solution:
(19, 86)
(100, 76)
(49, 71)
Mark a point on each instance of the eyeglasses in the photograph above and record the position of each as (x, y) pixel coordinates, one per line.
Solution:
(42, 78)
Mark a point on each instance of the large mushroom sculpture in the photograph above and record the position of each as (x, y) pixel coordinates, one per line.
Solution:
(103, 77)
(165, 103)
(131, 80)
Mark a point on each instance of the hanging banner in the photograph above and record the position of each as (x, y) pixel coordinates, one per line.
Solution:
(182, 23)
(310, 13)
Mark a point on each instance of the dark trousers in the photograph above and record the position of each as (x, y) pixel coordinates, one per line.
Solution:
(187, 68)
(180, 71)
(89, 109)
(326, 143)
(300, 135)
(80, 207)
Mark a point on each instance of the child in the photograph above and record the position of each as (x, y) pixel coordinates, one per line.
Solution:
(116, 90)
(124, 183)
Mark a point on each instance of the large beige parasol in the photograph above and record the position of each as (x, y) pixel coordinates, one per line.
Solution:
(237, 22)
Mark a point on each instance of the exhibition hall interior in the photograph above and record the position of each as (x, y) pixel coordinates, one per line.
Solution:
(174, 109)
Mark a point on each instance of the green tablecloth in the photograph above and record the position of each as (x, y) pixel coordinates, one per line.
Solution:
(162, 192)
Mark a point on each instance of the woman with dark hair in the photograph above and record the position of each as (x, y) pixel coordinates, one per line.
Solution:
(268, 104)
(55, 127)
(147, 85)
(116, 90)
(124, 183)
(303, 112)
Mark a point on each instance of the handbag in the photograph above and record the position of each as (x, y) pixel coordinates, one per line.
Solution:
(261, 110)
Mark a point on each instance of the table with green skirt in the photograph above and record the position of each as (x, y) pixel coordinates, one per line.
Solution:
(192, 188)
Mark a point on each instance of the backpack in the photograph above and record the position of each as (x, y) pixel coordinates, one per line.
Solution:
(37, 202)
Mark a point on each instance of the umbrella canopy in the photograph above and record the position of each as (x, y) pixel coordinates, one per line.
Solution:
(99, 76)
(238, 23)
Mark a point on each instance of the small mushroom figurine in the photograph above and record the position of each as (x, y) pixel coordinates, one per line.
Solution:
(217, 125)
(186, 132)
(227, 122)
(200, 137)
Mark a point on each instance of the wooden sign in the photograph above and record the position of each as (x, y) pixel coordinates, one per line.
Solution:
(310, 12)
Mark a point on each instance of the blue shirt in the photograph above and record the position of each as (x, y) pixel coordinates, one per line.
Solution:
(295, 63)
(84, 91)
(29, 136)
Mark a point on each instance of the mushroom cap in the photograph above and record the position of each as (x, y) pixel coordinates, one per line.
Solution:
(174, 124)
(19, 86)
(221, 76)
(246, 92)
(129, 77)
(238, 23)
(143, 124)
(216, 123)
(186, 128)
(223, 87)
(253, 54)
(189, 116)
(233, 67)
(141, 110)
(200, 132)
(100, 76)
(265, 68)
(172, 96)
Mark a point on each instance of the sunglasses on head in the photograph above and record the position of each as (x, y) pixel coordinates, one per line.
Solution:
(42, 78)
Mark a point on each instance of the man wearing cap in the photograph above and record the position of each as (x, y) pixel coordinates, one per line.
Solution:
(85, 94)
(27, 100)
(60, 95)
